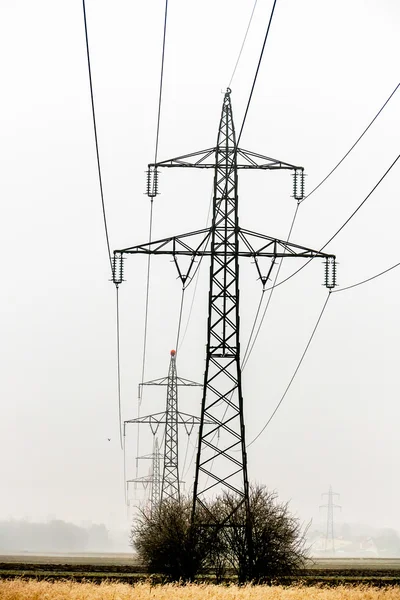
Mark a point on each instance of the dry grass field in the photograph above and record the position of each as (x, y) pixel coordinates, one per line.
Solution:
(18, 589)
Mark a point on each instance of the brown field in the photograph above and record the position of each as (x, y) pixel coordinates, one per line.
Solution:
(125, 569)
(18, 589)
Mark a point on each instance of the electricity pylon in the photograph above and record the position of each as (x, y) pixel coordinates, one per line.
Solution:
(171, 418)
(329, 534)
(153, 478)
(221, 461)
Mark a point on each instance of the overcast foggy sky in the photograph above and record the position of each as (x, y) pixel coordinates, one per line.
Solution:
(327, 69)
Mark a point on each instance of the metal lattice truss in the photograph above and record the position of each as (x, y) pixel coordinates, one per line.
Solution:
(172, 418)
(153, 479)
(221, 463)
(170, 480)
(157, 419)
(196, 244)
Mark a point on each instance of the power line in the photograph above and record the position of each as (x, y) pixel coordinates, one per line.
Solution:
(146, 322)
(353, 146)
(349, 287)
(243, 43)
(95, 136)
(340, 228)
(118, 366)
(180, 318)
(151, 199)
(294, 374)
(195, 275)
(312, 335)
(151, 229)
(146, 310)
(104, 217)
(257, 70)
(362, 203)
(271, 289)
(326, 301)
(161, 80)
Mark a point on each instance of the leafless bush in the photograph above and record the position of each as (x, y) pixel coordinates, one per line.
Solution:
(168, 543)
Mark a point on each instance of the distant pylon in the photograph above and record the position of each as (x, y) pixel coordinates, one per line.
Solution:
(330, 534)
(171, 418)
(170, 478)
(156, 481)
(153, 479)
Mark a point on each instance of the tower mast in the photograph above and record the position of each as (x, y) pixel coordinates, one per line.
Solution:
(172, 418)
(221, 462)
(222, 401)
(170, 478)
(330, 534)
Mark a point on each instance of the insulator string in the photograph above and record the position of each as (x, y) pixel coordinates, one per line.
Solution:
(340, 228)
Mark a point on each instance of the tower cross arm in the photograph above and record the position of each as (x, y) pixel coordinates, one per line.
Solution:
(160, 419)
(164, 381)
(252, 244)
(245, 159)
(186, 244)
(257, 244)
(193, 159)
(196, 244)
(252, 160)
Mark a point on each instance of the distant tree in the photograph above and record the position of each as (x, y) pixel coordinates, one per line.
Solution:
(168, 543)
(387, 542)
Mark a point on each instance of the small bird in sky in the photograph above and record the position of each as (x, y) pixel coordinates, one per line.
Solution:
(109, 439)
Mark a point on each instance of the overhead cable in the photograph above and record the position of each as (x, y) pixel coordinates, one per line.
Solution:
(118, 366)
(161, 81)
(180, 319)
(150, 231)
(353, 146)
(243, 43)
(294, 374)
(361, 204)
(257, 70)
(340, 228)
(349, 287)
(326, 301)
(104, 215)
(312, 335)
(271, 289)
(96, 138)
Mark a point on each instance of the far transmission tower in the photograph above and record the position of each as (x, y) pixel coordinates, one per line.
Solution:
(221, 463)
(153, 478)
(330, 534)
(171, 418)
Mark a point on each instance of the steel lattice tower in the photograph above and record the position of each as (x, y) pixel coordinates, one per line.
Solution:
(156, 480)
(170, 479)
(221, 458)
(172, 418)
(329, 534)
(154, 477)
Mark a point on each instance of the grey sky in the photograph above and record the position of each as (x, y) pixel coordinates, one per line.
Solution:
(327, 68)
